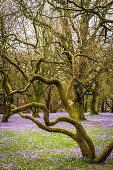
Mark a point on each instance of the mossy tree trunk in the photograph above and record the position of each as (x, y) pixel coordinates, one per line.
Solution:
(5, 84)
(102, 107)
(94, 101)
(110, 105)
(79, 109)
(86, 103)
(70, 53)
(37, 95)
(6, 112)
(79, 103)
(8, 99)
(93, 106)
(48, 99)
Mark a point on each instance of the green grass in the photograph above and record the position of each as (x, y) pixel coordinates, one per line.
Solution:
(42, 151)
(35, 149)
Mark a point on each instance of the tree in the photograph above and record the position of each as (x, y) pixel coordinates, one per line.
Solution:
(88, 37)
(85, 143)
(52, 99)
(53, 33)
(4, 65)
(80, 136)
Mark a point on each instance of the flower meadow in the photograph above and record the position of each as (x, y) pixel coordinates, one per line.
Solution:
(24, 146)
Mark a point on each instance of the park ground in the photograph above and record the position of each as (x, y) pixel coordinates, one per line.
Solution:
(24, 146)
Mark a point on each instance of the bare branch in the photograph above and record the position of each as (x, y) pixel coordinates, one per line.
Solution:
(17, 66)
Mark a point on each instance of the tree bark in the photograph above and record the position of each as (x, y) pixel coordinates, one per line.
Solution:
(93, 106)
(79, 110)
(103, 107)
(110, 106)
(7, 109)
(86, 104)
(8, 99)
(79, 102)
(103, 156)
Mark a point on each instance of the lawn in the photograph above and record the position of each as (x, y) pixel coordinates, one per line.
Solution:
(24, 146)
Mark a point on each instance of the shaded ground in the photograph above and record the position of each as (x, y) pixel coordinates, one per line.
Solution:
(24, 146)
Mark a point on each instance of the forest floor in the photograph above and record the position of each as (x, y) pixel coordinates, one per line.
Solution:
(24, 146)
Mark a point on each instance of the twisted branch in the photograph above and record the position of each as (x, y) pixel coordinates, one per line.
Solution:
(75, 123)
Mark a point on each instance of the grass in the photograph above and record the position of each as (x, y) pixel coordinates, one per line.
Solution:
(30, 148)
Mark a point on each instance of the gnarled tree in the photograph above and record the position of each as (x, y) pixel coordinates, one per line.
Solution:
(80, 136)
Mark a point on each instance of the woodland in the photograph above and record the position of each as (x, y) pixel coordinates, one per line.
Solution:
(59, 55)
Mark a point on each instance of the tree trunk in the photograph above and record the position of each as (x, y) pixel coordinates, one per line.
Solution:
(110, 105)
(103, 156)
(103, 106)
(93, 106)
(86, 104)
(48, 100)
(85, 150)
(79, 109)
(8, 99)
(6, 115)
(79, 102)
(6, 112)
